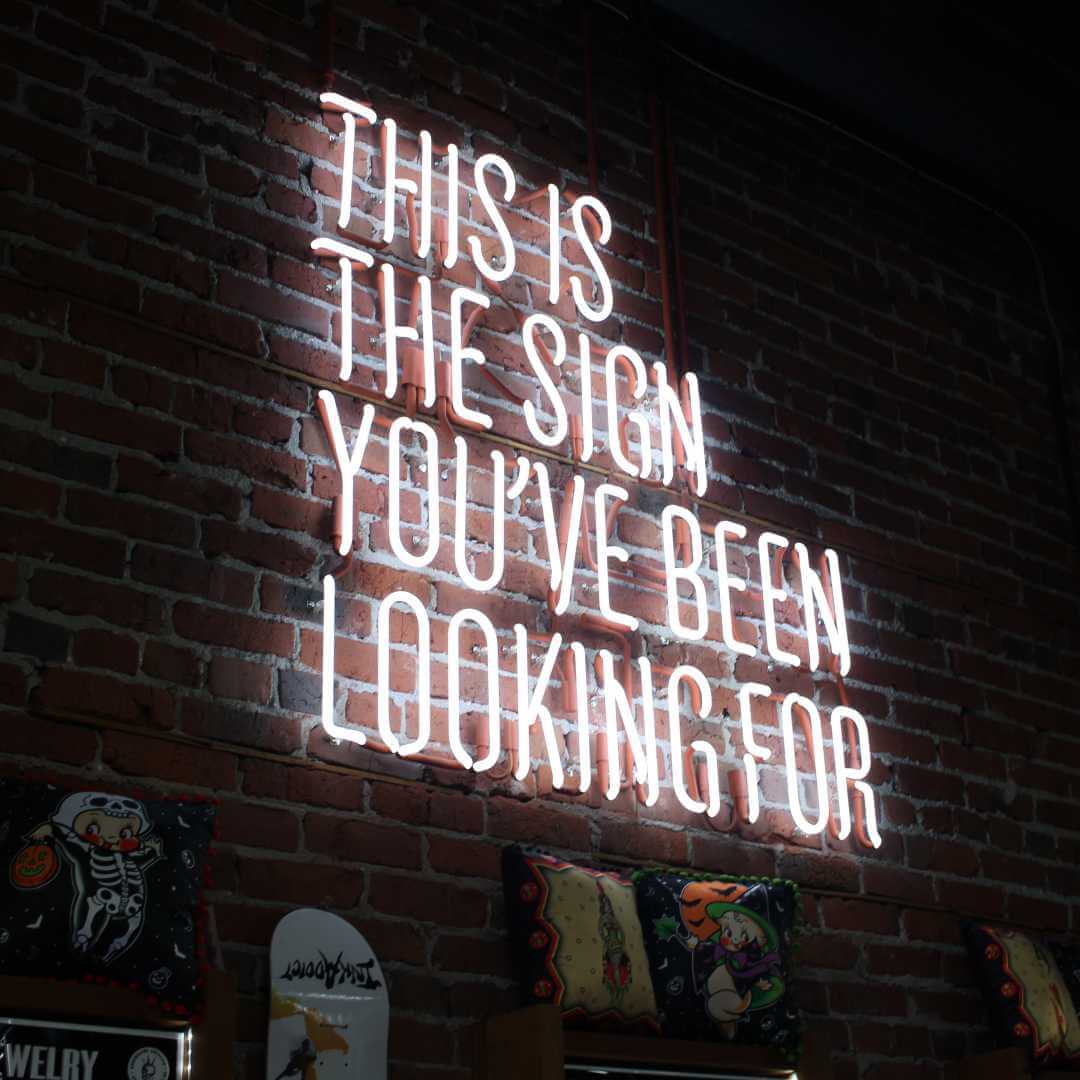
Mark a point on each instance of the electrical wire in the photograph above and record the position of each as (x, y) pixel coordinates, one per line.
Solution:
(808, 114)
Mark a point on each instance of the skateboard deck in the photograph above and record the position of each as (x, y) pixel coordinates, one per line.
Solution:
(329, 1009)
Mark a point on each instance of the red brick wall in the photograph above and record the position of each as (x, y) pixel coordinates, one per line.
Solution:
(872, 353)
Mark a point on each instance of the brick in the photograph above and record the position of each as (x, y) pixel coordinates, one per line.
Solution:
(228, 176)
(860, 916)
(240, 726)
(464, 857)
(640, 841)
(136, 755)
(834, 951)
(249, 825)
(32, 59)
(171, 663)
(362, 841)
(72, 363)
(819, 871)
(901, 960)
(427, 901)
(302, 784)
(247, 458)
(125, 427)
(158, 38)
(299, 691)
(168, 484)
(35, 637)
(84, 694)
(853, 998)
(290, 203)
(54, 741)
(9, 579)
(203, 322)
(192, 575)
(118, 604)
(232, 678)
(88, 199)
(258, 547)
(130, 518)
(30, 494)
(216, 33)
(300, 883)
(55, 107)
(104, 649)
(214, 626)
(471, 955)
(76, 39)
(264, 302)
(535, 822)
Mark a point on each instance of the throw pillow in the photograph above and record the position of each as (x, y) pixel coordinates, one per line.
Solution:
(720, 956)
(1028, 997)
(106, 888)
(577, 941)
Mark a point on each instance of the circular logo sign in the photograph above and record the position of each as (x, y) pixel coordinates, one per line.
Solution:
(148, 1063)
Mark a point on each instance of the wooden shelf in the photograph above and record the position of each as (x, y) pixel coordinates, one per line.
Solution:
(211, 1040)
(1011, 1064)
(531, 1044)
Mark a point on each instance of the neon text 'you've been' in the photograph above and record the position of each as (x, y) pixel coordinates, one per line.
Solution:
(601, 713)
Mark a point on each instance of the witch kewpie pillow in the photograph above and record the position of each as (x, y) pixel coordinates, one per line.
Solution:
(104, 887)
(720, 956)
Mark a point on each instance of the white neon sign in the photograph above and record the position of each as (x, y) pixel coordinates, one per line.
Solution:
(453, 691)
(574, 521)
(430, 467)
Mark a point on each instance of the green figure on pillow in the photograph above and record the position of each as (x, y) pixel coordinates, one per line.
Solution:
(735, 956)
(616, 959)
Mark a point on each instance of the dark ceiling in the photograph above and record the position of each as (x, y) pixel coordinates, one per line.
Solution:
(987, 96)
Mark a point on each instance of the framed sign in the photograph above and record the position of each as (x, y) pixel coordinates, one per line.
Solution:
(85, 1013)
(56, 1050)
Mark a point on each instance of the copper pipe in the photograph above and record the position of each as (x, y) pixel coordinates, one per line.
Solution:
(480, 741)
(733, 818)
(858, 810)
(661, 232)
(695, 690)
(696, 775)
(329, 29)
(676, 251)
(590, 112)
(450, 419)
(525, 198)
(739, 794)
(577, 437)
(545, 354)
(627, 679)
(653, 579)
(366, 241)
(439, 761)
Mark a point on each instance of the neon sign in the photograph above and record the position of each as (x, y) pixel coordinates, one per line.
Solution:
(658, 443)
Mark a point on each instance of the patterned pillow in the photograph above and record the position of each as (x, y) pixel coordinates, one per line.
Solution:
(1029, 999)
(105, 888)
(720, 956)
(1067, 955)
(577, 941)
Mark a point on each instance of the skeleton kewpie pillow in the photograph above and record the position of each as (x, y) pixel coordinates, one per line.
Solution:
(104, 887)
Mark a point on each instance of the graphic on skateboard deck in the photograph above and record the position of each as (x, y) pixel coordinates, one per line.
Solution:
(329, 1010)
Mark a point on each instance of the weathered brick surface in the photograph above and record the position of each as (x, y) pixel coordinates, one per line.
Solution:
(871, 352)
